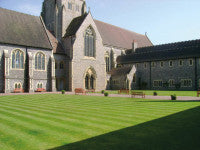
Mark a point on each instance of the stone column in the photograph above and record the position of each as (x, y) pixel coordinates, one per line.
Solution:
(53, 78)
(30, 67)
(6, 71)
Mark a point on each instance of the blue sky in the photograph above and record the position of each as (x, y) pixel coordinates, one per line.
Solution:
(165, 21)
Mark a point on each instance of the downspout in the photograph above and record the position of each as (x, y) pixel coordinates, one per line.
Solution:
(195, 74)
(150, 75)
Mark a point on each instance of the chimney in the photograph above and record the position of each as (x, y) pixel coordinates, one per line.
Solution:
(134, 46)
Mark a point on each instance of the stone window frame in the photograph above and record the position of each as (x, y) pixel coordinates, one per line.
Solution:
(162, 64)
(153, 64)
(20, 59)
(180, 60)
(45, 67)
(160, 83)
(170, 63)
(89, 36)
(18, 85)
(191, 60)
(39, 85)
(171, 83)
(187, 80)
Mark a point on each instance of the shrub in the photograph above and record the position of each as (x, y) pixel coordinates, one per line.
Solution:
(106, 94)
(155, 93)
(173, 97)
(102, 92)
(63, 91)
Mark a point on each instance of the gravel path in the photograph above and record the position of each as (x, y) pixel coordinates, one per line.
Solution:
(183, 98)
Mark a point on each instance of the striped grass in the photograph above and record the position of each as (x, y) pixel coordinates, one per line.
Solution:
(33, 122)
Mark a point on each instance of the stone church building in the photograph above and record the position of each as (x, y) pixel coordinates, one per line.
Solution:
(66, 48)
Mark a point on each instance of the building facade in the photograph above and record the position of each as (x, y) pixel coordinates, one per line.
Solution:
(66, 48)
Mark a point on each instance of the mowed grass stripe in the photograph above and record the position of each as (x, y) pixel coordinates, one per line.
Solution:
(84, 116)
(104, 110)
(66, 120)
(59, 127)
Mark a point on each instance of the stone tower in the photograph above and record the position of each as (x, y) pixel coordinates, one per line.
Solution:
(58, 14)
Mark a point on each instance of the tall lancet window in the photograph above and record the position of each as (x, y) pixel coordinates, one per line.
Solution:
(17, 59)
(90, 50)
(40, 61)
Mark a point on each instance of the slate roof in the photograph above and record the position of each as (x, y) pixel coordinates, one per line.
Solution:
(118, 37)
(57, 47)
(75, 25)
(22, 29)
(186, 49)
(120, 71)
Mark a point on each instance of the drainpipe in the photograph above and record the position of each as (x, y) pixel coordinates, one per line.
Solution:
(195, 73)
(150, 75)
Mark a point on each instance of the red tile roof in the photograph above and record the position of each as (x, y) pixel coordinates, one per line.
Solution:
(122, 38)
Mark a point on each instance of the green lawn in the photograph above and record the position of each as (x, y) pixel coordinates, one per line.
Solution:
(71, 122)
(164, 93)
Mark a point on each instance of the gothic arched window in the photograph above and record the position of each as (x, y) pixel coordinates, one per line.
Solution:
(40, 61)
(17, 59)
(89, 42)
(107, 59)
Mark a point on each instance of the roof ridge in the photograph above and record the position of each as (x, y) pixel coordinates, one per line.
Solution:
(18, 12)
(119, 27)
(170, 43)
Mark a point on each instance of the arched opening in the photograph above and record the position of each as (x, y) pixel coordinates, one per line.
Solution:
(90, 79)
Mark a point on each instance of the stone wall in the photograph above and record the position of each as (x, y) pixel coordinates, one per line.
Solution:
(80, 63)
(28, 76)
(164, 73)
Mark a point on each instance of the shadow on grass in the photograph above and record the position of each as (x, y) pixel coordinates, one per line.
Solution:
(169, 101)
(180, 131)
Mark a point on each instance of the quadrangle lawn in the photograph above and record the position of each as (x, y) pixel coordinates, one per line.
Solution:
(68, 122)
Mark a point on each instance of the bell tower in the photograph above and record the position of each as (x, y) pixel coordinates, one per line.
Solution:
(58, 14)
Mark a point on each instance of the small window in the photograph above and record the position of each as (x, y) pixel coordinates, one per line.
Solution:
(70, 6)
(170, 63)
(161, 64)
(61, 65)
(153, 64)
(186, 83)
(180, 62)
(18, 86)
(171, 83)
(39, 85)
(190, 62)
(137, 65)
(158, 83)
(145, 65)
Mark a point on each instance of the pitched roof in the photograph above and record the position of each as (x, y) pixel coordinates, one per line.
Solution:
(118, 37)
(75, 25)
(120, 71)
(22, 29)
(57, 47)
(186, 49)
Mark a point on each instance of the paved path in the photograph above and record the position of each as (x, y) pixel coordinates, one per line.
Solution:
(184, 98)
